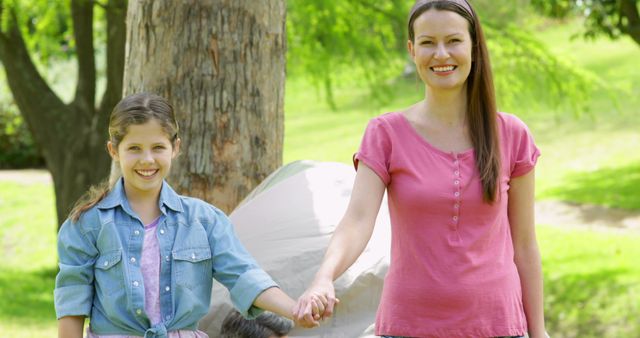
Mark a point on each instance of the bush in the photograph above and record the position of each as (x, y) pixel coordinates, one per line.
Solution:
(17, 148)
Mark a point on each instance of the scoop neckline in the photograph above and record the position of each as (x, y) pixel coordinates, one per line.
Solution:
(421, 139)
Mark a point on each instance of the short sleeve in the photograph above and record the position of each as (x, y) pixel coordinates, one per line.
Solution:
(235, 268)
(375, 149)
(524, 152)
(73, 293)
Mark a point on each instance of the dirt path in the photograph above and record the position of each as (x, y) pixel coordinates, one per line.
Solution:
(555, 213)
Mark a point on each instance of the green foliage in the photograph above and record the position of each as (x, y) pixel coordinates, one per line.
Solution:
(17, 149)
(601, 17)
(45, 25)
(354, 41)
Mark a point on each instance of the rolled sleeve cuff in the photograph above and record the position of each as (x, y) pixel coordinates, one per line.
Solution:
(73, 300)
(247, 288)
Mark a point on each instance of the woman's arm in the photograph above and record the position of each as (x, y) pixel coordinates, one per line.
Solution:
(70, 327)
(347, 243)
(527, 255)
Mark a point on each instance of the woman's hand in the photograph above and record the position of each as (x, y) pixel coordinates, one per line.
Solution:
(316, 303)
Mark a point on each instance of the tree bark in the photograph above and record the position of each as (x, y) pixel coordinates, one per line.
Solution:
(70, 136)
(221, 63)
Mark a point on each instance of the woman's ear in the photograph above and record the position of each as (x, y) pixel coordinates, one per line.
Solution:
(412, 52)
(176, 148)
(113, 151)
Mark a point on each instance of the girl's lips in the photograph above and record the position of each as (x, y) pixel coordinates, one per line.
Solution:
(146, 173)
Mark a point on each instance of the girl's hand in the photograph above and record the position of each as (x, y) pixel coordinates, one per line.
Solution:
(315, 304)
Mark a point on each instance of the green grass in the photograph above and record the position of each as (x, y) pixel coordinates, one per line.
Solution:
(28, 265)
(592, 282)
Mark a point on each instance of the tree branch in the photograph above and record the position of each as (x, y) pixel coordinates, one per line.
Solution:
(82, 17)
(30, 91)
(116, 38)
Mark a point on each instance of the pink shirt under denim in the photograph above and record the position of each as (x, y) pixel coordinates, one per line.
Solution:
(452, 271)
(150, 267)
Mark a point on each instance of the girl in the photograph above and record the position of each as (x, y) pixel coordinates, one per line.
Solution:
(460, 183)
(137, 258)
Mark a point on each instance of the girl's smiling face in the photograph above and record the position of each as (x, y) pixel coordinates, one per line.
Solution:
(442, 49)
(144, 156)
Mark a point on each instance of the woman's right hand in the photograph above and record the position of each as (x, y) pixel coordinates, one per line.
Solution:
(316, 303)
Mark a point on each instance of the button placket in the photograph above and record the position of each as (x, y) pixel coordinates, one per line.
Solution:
(455, 217)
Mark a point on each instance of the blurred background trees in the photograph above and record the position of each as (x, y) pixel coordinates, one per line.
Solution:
(330, 44)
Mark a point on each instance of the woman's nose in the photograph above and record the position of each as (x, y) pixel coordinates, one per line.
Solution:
(147, 157)
(441, 51)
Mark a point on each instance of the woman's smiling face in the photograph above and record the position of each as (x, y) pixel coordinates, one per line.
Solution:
(442, 49)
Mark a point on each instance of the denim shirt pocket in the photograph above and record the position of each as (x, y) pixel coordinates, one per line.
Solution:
(109, 272)
(193, 267)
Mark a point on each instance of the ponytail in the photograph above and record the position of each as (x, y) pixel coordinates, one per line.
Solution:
(92, 197)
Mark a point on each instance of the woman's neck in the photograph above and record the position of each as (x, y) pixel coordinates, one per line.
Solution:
(447, 108)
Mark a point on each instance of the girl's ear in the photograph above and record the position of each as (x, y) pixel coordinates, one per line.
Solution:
(176, 148)
(113, 152)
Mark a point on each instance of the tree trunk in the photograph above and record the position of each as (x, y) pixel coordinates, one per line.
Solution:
(221, 63)
(70, 136)
(629, 10)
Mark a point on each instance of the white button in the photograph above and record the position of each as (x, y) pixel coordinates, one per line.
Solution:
(167, 317)
(167, 289)
(455, 218)
(456, 206)
(193, 256)
(166, 258)
(456, 173)
(106, 263)
(455, 162)
(137, 232)
(457, 193)
(133, 259)
(139, 311)
(135, 283)
(162, 231)
(456, 182)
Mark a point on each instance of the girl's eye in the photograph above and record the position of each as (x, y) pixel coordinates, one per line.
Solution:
(134, 148)
(427, 42)
(159, 147)
(455, 40)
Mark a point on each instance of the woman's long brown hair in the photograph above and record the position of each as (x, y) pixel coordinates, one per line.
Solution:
(481, 112)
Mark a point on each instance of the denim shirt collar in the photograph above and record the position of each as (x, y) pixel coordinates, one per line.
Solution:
(117, 197)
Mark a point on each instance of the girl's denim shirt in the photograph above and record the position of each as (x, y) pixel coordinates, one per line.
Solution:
(100, 275)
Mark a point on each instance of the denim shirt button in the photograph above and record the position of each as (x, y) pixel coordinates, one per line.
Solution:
(166, 258)
(193, 256)
(167, 289)
(139, 311)
(162, 231)
(137, 232)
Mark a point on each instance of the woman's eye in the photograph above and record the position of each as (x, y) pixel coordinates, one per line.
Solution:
(455, 40)
(159, 147)
(134, 148)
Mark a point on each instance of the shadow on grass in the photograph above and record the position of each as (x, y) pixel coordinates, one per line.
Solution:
(592, 305)
(27, 296)
(612, 187)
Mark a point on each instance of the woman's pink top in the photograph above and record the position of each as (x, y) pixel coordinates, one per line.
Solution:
(150, 267)
(452, 271)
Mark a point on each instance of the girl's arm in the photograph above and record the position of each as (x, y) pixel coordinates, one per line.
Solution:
(347, 243)
(527, 255)
(70, 327)
(275, 300)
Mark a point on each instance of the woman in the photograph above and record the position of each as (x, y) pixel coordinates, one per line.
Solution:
(460, 183)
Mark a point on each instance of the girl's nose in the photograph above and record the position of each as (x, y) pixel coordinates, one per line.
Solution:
(146, 157)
